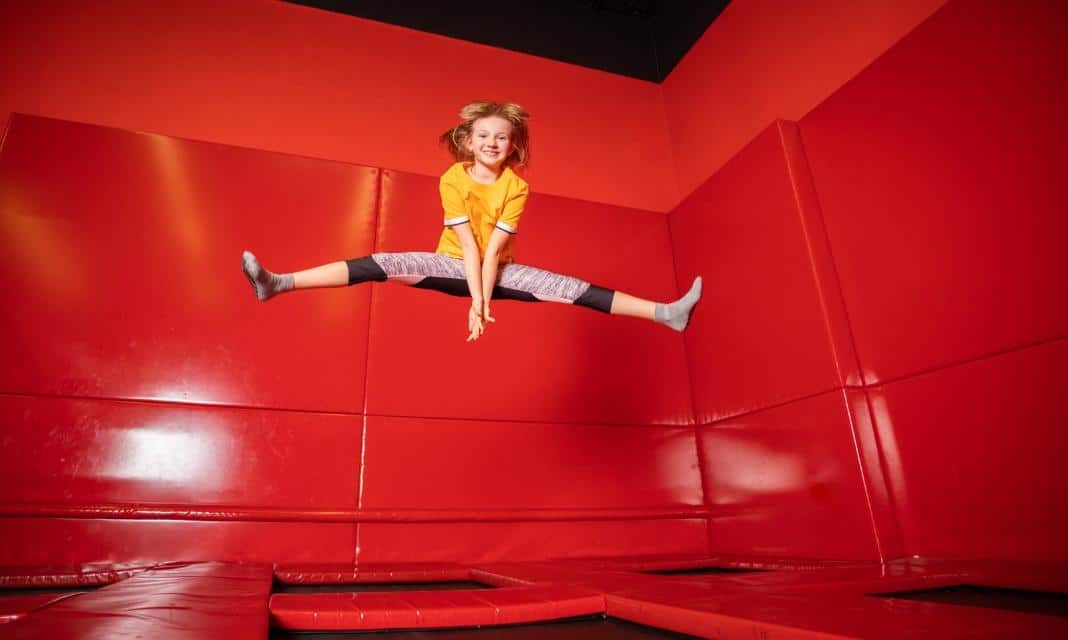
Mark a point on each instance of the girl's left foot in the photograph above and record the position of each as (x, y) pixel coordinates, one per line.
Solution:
(677, 314)
(264, 283)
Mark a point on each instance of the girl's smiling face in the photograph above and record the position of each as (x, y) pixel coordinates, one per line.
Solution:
(491, 142)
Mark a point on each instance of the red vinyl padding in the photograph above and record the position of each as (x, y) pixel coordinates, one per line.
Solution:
(406, 468)
(432, 609)
(758, 337)
(122, 254)
(13, 608)
(198, 456)
(209, 600)
(54, 540)
(787, 478)
(937, 171)
(998, 422)
(335, 574)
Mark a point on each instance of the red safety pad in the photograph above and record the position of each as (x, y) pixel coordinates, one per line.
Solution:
(998, 423)
(824, 616)
(431, 609)
(13, 608)
(121, 251)
(593, 467)
(203, 600)
(834, 602)
(785, 481)
(50, 541)
(341, 574)
(48, 576)
(939, 171)
(543, 362)
(759, 336)
(519, 540)
(83, 453)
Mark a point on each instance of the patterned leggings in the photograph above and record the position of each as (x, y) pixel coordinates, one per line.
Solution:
(446, 274)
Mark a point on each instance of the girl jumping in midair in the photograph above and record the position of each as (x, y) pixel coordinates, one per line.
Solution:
(483, 199)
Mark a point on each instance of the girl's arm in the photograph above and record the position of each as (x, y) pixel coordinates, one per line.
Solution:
(475, 321)
(489, 269)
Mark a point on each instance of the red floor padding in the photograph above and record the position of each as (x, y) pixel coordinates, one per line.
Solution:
(209, 601)
(432, 609)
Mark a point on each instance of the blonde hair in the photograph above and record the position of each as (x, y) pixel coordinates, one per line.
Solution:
(456, 139)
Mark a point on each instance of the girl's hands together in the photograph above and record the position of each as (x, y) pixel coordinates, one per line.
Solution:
(475, 323)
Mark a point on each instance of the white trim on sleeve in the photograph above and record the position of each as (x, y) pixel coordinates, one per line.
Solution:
(503, 227)
(452, 222)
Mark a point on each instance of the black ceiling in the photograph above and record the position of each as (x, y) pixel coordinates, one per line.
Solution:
(642, 39)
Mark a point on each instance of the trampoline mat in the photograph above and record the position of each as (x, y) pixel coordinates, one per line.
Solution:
(1044, 602)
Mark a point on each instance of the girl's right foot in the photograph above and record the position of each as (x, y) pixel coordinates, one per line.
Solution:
(264, 283)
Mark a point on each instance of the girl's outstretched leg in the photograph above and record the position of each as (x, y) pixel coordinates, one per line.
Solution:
(674, 314)
(267, 284)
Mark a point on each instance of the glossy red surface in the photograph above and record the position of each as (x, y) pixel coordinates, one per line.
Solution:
(786, 482)
(207, 600)
(876, 375)
(44, 542)
(296, 79)
(13, 608)
(945, 212)
(475, 542)
(758, 337)
(431, 609)
(982, 478)
(405, 469)
(563, 363)
(90, 452)
(121, 252)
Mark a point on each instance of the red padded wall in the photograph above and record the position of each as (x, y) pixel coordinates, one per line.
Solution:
(789, 462)
(767, 59)
(284, 77)
(121, 252)
(977, 458)
(785, 481)
(946, 220)
(160, 412)
(897, 251)
(947, 227)
(79, 451)
(758, 337)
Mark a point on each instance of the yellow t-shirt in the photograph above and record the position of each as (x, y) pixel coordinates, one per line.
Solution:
(485, 206)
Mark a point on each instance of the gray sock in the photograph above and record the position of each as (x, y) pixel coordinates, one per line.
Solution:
(677, 314)
(264, 283)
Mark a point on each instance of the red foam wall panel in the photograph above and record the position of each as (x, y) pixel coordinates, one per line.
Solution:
(122, 252)
(767, 59)
(484, 465)
(786, 482)
(976, 456)
(758, 337)
(480, 542)
(86, 452)
(44, 542)
(937, 170)
(300, 80)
